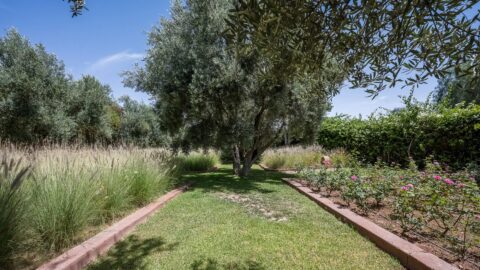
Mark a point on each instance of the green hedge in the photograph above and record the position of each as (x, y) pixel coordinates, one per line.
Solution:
(450, 135)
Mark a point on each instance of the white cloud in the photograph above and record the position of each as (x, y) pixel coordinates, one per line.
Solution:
(109, 60)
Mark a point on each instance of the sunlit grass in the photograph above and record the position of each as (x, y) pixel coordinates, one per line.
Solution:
(225, 222)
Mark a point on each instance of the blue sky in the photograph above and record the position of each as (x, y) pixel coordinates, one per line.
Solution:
(112, 35)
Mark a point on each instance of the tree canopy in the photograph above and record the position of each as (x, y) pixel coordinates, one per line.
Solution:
(373, 42)
(237, 74)
(206, 96)
(40, 102)
(454, 89)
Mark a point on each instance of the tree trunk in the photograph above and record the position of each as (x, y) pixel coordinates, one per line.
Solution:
(247, 165)
(237, 162)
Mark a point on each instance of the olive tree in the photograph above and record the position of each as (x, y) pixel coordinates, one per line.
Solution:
(206, 96)
(377, 44)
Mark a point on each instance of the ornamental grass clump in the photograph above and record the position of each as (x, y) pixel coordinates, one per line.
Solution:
(63, 202)
(198, 161)
(12, 206)
(292, 157)
(70, 193)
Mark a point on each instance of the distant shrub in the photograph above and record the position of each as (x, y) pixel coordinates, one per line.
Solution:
(198, 161)
(293, 157)
(450, 135)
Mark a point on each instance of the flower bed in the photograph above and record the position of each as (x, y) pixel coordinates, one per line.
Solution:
(438, 210)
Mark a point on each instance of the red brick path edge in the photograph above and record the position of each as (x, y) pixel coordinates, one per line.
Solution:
(81, 255)
(410, 255)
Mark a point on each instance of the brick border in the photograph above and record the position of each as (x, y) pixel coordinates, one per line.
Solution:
(410, 255)
(80, 255)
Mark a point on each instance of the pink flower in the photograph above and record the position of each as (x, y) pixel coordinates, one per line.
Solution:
(448, 181)
(354, 178)
(401, 176)
(460, 185)
(405, 188)
(410, 185)
(437, 177)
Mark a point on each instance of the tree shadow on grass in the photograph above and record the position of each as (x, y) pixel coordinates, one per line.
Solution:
(131, 253)
(212, 264)
(223, 180)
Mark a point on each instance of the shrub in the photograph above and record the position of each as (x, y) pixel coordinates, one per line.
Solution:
(433, 201)
(451, 135)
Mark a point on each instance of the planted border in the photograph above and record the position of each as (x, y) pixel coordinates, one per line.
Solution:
(82, 254)
(410, 255)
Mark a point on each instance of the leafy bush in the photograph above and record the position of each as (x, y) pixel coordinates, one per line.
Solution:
(451, 135)
(419, 200)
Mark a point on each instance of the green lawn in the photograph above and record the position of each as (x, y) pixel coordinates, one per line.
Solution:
(225, 222)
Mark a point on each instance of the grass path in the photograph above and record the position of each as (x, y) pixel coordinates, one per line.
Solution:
(257, 223)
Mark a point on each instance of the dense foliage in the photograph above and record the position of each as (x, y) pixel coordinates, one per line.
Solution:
(450, 135)
(206, 96)
(372, 42)
(455, 89)
(40, 102)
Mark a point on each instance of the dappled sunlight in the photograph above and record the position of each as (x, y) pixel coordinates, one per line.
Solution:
(132, 252)
(223, 180)
(212, 264)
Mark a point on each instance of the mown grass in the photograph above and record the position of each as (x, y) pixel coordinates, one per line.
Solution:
(225, 222)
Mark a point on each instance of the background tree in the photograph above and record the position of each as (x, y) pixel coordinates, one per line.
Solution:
(39, 102)
(33, 87)
(139, 124)
(454, 89)
(88, 106)
(206, 96)
(77, 7)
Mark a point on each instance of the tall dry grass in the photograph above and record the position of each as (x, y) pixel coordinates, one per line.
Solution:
(198, 161)
(295, 157)
(291, 157)
(69, 191)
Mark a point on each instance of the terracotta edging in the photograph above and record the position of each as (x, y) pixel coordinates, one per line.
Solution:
(410, 255)
(81, 255)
